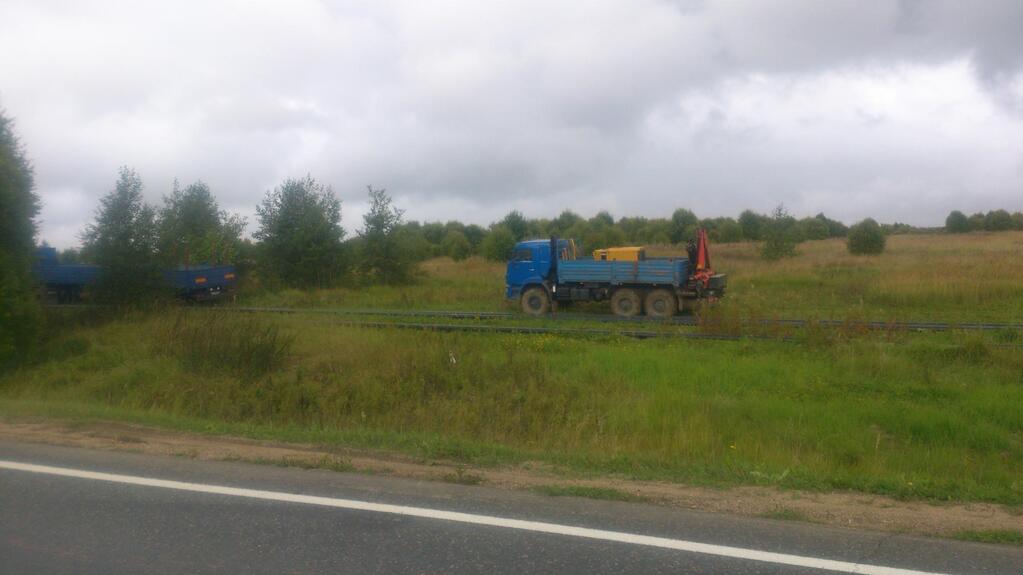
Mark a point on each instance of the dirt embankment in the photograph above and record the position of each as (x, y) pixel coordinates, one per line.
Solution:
(842, 508)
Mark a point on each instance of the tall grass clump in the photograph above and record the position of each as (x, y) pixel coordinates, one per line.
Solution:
(218, 342)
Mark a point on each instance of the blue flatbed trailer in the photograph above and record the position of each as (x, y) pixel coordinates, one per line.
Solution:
(66, 282)
(658, 287)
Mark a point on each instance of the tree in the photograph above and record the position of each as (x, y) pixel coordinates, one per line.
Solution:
(866, 238)
(814, 229)
(1017, 220)
(683, 225)
(977, 222)
(957, 223)
(727, 231)
(603, 218)
(383, 255)
(456, 245)
(515, 223)
(300, 234)
(836, 229)
(122, 240)
(193, 228)
(475, 235)
(998, 221)
(752, 225)
(561, 224)
(20, 317)
(498, 244)
(780, 235)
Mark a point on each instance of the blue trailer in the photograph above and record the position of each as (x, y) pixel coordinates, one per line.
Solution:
(201, 283)
(63, 282)
(543, 273)
(66, 282)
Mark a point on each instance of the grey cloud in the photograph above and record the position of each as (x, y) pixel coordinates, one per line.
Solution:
(470, 109)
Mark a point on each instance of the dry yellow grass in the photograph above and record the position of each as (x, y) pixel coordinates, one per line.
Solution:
(967, 277)
(935, 276)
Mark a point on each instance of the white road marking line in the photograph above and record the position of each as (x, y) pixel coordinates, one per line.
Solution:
(535, 526)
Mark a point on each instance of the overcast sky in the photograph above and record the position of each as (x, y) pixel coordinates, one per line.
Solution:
(901, 110)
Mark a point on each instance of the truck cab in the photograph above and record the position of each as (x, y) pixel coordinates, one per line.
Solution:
(530, 264)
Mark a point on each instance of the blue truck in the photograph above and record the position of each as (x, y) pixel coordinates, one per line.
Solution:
(66, 282)
(543, 273)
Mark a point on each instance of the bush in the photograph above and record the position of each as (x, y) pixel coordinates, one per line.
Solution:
(998, 221)
(498, 244)
(814, 229)
(866, 238)
(456, 245)
(781, 234)
(957, 223)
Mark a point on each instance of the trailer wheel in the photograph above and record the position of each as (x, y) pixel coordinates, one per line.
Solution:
(625, 303)
(535, 301)
(660, 303)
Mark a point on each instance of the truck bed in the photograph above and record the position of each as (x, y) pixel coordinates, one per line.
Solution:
(660, 271)
(65, 275)
(201, 277)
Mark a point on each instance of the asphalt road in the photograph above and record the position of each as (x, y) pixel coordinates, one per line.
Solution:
(128, 523)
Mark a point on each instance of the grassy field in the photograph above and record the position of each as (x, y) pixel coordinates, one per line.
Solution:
(965, 277)
(919, 416)
(912, 416)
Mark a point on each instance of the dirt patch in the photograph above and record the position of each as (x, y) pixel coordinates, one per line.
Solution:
(856, 510)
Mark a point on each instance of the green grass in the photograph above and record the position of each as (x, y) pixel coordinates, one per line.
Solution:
(606, 493)
(911, 416)
(991, 536)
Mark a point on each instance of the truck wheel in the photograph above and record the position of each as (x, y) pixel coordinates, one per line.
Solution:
(660, 303)
(535, 301)
(625, 303)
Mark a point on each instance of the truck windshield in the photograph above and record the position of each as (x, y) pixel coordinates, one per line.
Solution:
(523, 255)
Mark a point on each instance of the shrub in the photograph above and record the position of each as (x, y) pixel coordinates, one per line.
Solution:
(498, 244)
(752, 224)
(998, 221)
(781, 234)
(814, 229)
(456, 245)
(957, 223)
(866, 238)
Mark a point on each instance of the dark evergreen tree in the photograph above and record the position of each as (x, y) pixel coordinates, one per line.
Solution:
(20, 317)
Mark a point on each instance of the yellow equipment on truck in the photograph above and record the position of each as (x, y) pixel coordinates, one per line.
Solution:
(626, 254)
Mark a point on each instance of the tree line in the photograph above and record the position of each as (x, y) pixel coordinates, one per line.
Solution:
(994, 221)
(299, 240)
